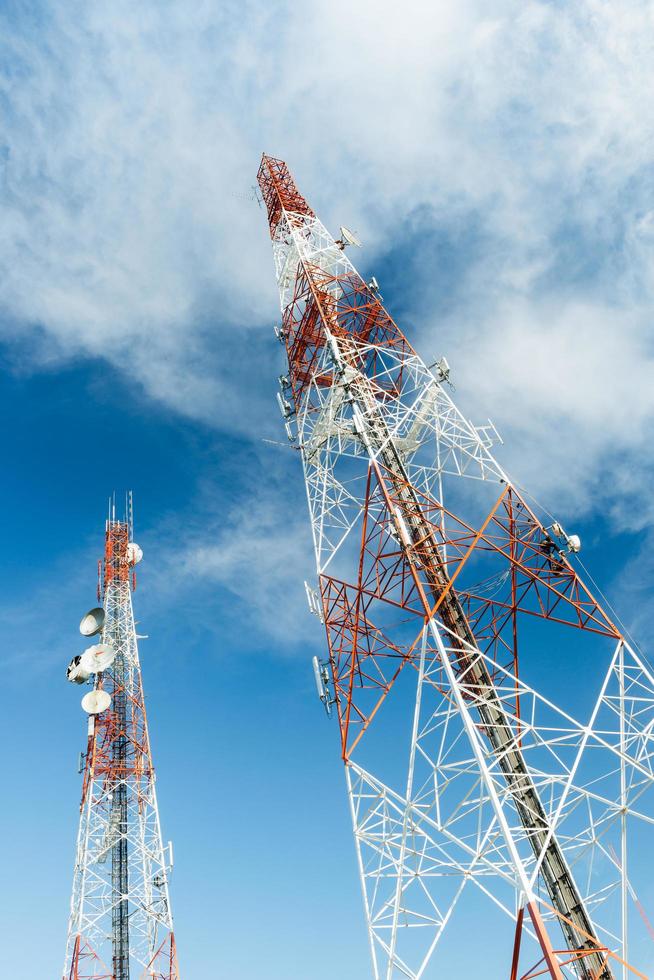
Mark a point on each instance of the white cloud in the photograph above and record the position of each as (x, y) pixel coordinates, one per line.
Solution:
(133, 135)
(237, 561)
(571, 389)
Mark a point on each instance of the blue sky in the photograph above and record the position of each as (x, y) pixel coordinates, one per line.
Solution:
(499, 170)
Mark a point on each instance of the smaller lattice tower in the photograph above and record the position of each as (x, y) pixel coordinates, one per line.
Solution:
(121, 925)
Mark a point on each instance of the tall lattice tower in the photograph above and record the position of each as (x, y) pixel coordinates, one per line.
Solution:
(495, 722)
(121, 925)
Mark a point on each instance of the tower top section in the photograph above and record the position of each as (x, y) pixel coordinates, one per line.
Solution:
(116, 548)
(121, 553)
(279, 192)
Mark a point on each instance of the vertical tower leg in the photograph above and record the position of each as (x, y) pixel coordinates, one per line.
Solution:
(516, 943)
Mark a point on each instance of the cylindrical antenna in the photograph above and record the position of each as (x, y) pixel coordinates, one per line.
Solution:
(130, 514)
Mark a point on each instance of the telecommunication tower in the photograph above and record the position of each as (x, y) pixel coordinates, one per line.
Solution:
(121, 925)
(496, 723)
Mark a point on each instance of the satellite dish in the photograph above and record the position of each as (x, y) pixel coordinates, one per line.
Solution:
(134, 553)
(349, 237)
(98, 658)
(95, 702)
(93, 622)
(76, 672)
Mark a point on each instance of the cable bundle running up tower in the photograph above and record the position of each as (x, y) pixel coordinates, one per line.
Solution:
(121, 925)
(443, 594)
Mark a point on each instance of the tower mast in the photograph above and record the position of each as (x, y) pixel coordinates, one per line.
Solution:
(120, 925)
(398, 539)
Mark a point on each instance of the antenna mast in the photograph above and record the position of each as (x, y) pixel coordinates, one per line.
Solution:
(120, 925)
(435, 575)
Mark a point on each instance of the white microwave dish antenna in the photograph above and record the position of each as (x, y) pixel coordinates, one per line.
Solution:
(95, 702)
(350, 237)
(76, 672)
(98, 658)
(134, 553)
(92, 622)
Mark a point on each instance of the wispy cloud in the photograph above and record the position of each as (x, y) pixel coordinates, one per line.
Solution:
(243, 553)
(132, 135)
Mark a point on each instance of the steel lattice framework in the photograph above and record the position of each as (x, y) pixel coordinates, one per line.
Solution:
(121, 924)
(436, 577)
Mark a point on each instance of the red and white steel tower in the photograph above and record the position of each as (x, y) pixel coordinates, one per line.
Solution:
(446, 597)
(121, 925)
